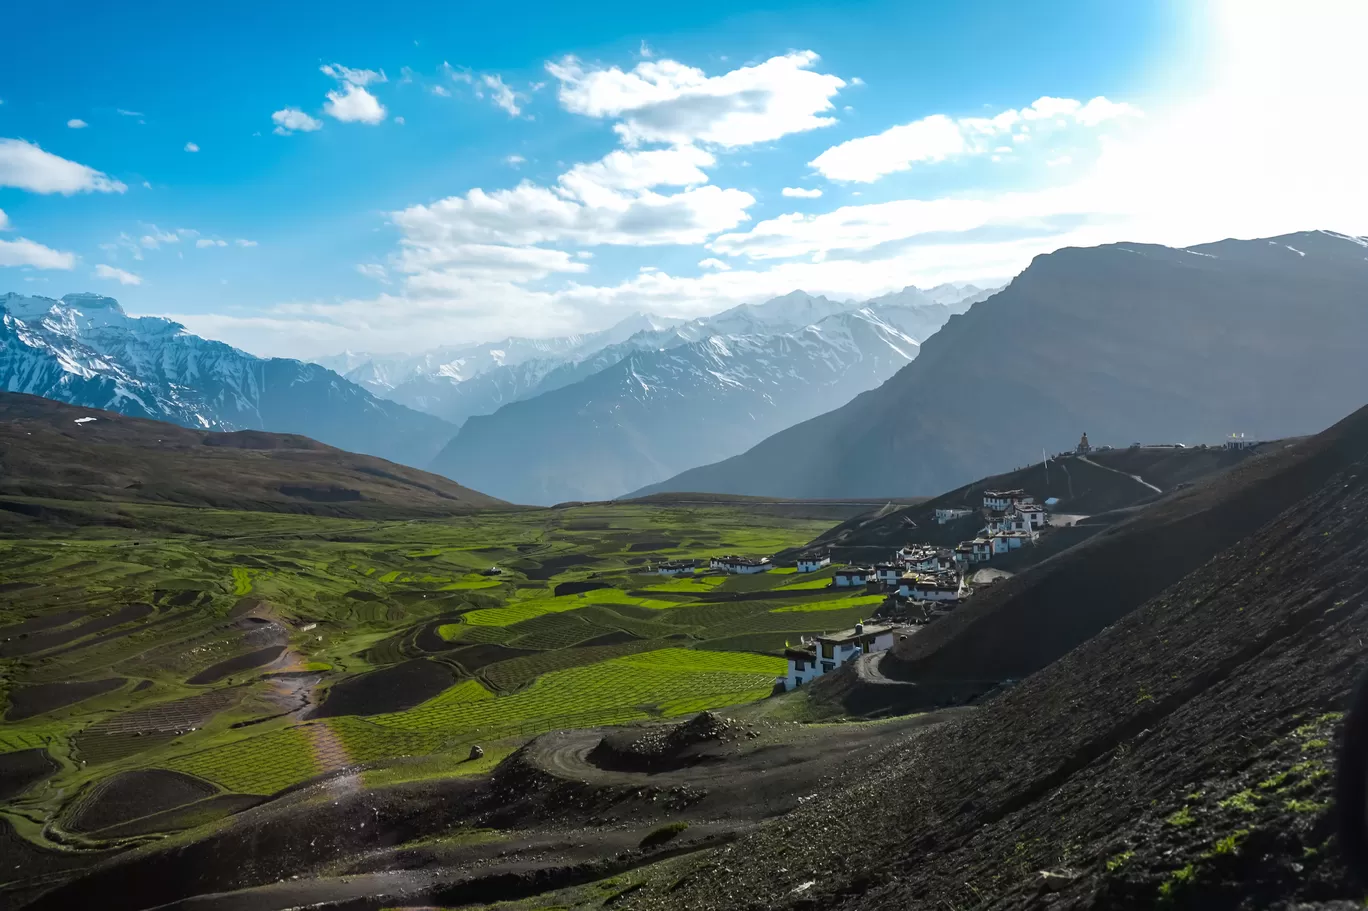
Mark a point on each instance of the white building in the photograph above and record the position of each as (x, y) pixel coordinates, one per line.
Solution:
(824, 654)
(740, 565)
(1027, 517)
(812, 564)
(677, 568)
(850, 576)
(1002, 500)
(887, 573)
(929, 588)
(950, 515)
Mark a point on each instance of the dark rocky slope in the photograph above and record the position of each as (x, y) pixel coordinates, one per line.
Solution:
(1181, 758)
(44, 453)
(1127, 342)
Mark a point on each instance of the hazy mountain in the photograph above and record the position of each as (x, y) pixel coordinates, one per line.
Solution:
(83, 349)
(451, 364)
(655, 411)
(1128, 342)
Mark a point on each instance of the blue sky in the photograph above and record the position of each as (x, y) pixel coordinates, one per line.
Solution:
(299, 178)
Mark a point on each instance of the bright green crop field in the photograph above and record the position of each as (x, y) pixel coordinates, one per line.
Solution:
(202, 641)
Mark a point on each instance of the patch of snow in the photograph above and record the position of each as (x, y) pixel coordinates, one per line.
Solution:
(83, 420)
(1294, 249)
(1195, 253)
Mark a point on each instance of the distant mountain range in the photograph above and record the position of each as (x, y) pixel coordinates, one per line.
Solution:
(84, 350)
(657, 410)
(458, 382)
(1128, 342)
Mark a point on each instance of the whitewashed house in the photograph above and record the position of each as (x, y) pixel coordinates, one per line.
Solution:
(675, 568)
(740, 565)
(1002, 500)
(812, 564)
(950, 515)
(1027, 517)
(851, 576)
(887, 573)
(924, 588)
(826, 653)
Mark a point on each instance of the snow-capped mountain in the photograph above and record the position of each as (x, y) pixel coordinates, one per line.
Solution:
(83, 349)
(658, 408)
(452, 364)
(457, 383)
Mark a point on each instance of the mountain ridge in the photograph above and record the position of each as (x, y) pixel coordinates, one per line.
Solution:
(1110, 340)
(84, 349)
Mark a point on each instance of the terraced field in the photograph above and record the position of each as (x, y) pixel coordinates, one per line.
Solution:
(201, 642)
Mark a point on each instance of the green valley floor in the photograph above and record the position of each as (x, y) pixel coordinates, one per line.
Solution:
(165, 667)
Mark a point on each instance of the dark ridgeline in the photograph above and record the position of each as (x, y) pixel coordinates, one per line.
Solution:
(1131, 342)
(115, 458)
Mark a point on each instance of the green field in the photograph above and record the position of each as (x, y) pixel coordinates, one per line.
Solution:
(169, 592)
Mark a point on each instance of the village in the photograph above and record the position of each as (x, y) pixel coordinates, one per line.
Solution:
(921, 582)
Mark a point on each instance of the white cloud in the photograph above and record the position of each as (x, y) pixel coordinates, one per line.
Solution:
(1059, 161)
(24, 252)
(129, 113)
(210, 242)
(76, 123)
(191, 147)
(401, 121)
(354, 105)
(666, 101)
(609, 201)
(441, 91)
(4, 221)
(289, 120)
(801, 193)
(243, 242)
(118, 275)
(938, 137)
(713, 263)
(645, 51)
(514, 160)
(155, 237)
(373, 270)
(355, 77)
(27, 167)
(502, 94)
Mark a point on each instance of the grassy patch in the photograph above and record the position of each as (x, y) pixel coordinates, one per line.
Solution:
(829, 604)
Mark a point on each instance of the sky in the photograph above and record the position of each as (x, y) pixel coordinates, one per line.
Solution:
(300, 179)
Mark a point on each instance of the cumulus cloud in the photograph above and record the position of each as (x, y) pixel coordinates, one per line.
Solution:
(24, 252)
(353, 104)
(610, 201)
(666, 101)
(290, 120)
(118, 275)
(939, 137)
(514, 160)
(713, 263)
(4, 221)
(76, 123)
(373, 270)
(191, 147)
(25, 166)
(243, 242)
(801, 193)
(210, 242)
